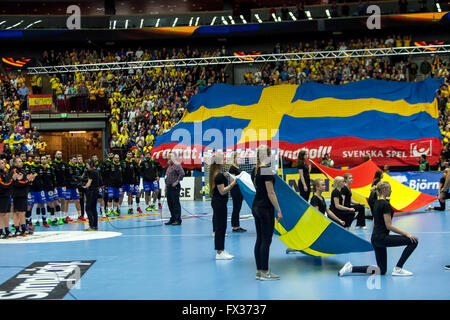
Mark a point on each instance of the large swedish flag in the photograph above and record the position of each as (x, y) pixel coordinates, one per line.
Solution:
(303, 227)
(349, 121)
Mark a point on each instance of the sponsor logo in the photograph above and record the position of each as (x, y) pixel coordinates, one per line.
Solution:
(45, 280)
(313, 153)
(401, 179)
(423, 184)
(421, 148)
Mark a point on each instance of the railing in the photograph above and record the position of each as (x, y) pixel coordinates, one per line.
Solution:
(263, 58)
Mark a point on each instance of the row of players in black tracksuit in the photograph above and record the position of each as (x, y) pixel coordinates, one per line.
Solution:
(40, 181)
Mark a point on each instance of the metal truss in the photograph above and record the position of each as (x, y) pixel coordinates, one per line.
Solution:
(317, 55)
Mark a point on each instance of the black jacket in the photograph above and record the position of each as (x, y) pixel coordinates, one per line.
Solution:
(72, 176)
(150, 169)
(115, 175)
(59, 168)
(130, 172)
(20, 187)
(48, 178)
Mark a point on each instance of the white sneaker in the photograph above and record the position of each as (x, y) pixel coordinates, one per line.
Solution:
(361, 227)
(223, 256)
(268, 276)
(347, 268)
(401, 272)
(230, 255)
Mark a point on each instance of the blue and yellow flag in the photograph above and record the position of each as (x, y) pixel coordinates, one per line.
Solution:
(304, 228)
(392, 122)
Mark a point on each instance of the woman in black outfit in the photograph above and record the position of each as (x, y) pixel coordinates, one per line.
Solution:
(337, 203)
(318, 202)
(442, 194)
(263, 207)
(381, 239)
(304, 183)
(236, 195)
(219, 197)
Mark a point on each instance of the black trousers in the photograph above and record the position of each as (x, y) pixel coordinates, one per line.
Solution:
(220, 214)
(237, 197)
(346, 216)
(380, 244)
(304, 194)
(442, 203)
(264, 222)
(173, 201)
(360, 214)
(91, 207)
(83, 195)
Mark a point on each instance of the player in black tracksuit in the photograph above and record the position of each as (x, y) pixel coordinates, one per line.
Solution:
(130, 180)
(59, 168)
(150, 172)
(114, 174)
(20, 188)
(37, 192)
(72, 180)
(106, 168)
(28, 169)
(5, 199)
(48, 186)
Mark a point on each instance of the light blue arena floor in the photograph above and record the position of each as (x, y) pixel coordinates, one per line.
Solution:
(151, 261)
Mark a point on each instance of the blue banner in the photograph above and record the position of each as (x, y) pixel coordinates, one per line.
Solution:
(426, 182)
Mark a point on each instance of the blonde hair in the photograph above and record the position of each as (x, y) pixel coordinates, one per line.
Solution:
(337, 180)
(381, 187)
(268, 152)
(235, 155)
(316, 183)
(347, 175)
(214, 170)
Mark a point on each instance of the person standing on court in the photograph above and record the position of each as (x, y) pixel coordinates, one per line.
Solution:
(236, 195)
(381, 239)
(263, 210)
(304, 183)
(219, 198)
(92, 185)
(174, 174)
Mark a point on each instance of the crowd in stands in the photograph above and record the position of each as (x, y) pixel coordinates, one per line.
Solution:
(142, 103)
(16, 132)
(341, 71)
